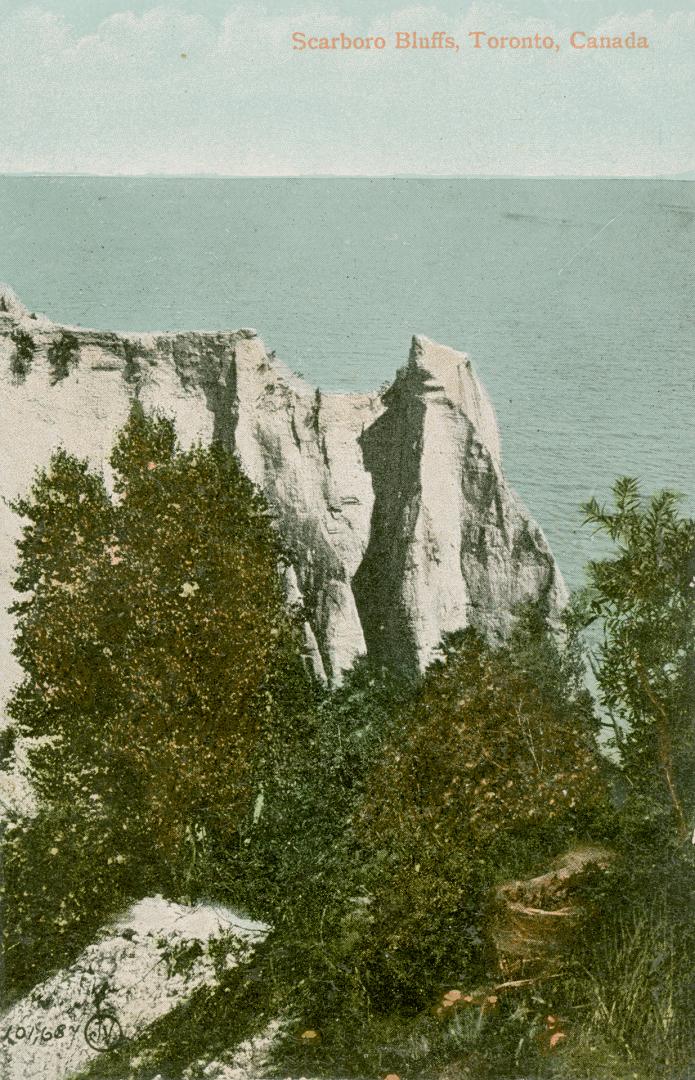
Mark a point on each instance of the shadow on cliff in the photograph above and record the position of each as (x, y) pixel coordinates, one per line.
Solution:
(392, 452)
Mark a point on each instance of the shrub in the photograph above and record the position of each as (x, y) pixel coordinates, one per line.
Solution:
(643, 599)
(63, 356)
(25, 348)
(493, 771)
(64, 873)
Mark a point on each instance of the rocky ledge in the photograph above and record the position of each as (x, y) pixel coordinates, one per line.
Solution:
(393, 505)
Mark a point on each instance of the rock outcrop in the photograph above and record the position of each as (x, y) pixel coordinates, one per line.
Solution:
(537, 921)
(151, 962)
(398, 519)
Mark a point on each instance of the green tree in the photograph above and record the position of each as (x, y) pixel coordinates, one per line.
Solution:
(212, 656)
(161, 666)
(493, 771)
(643, 598)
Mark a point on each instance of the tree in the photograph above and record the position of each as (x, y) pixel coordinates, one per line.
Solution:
(494, 770)
(643, 598)
(160, 664)
(211, 653)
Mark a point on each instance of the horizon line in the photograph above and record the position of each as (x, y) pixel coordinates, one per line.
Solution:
(689, 175)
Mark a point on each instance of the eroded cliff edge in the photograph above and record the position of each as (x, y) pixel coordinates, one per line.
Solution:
(399, 521)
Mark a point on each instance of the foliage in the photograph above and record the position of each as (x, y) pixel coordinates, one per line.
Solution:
(64, 874)
(300, 862)
(629, 996)
(208, 1023)
(642, 982)
(63, 355)
(160, 661)
(132, 353)
(643, 596)
(493, 771)
(23, 354)
(299, 836)
(188, 752)
(362, 832)
(632, 991)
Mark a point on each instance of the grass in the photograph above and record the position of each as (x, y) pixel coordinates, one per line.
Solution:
(635, 1002)
(625, 1011)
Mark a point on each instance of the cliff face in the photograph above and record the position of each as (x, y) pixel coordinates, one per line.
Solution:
(394, 508)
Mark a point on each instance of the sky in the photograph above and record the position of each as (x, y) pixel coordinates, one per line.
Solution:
(213, 87)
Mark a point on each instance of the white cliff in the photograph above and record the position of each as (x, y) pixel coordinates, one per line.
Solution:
(393, 506)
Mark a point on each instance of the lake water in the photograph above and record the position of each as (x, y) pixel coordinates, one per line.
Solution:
(574, 299)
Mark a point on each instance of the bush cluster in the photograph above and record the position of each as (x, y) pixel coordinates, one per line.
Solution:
(160, 665)
(184, 748)
(494, 772)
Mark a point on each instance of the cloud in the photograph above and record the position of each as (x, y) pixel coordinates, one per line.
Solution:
(173, 92)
